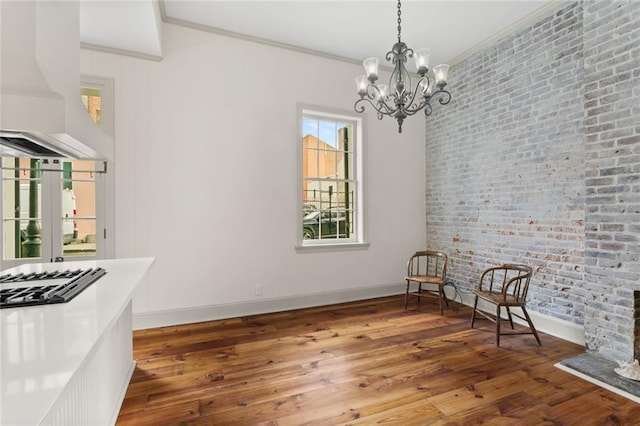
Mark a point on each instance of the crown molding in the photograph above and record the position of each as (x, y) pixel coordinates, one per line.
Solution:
(124, 52)
(260, 40)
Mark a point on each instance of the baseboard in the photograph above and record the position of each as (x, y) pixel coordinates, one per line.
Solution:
(553, 326)
(231, 310)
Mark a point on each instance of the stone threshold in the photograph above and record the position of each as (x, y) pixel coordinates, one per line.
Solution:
(599, 371)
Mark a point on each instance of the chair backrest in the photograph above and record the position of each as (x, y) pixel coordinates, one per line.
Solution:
(429, 263)
(512, 279)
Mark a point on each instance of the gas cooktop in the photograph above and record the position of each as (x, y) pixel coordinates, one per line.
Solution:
(43, 288)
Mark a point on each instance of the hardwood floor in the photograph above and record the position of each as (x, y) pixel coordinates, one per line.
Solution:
(365, 362)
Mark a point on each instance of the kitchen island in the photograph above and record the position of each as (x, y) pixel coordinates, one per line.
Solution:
(70, 363)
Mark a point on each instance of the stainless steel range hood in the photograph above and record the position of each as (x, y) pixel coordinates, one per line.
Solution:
(41, 114)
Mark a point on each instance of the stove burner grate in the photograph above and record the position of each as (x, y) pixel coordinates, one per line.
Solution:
(37, 276)
(76, 282)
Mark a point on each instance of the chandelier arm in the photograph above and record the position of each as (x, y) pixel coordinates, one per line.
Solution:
(427, 109)
(360, 108)
(385, 108)
(417, 106)
(373, 92)
(445, 96)
(381, 108)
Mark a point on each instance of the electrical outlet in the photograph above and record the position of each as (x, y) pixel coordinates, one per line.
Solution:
(258, 289)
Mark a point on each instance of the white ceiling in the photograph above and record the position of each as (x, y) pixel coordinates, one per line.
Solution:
(348, 29)
(127, 25)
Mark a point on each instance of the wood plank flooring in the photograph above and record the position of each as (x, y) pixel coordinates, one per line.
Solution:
(359, 363)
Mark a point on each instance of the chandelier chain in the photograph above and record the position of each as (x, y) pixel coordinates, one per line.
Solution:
(399, 21)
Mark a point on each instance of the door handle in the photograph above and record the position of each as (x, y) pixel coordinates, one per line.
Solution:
(58, 259)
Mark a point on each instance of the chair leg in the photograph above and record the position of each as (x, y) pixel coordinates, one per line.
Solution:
(510, 317)
(473, 313)
(406, 296)
(443, 295)
(533, 329)
(419, 294)
(440, 300)
(498, 325)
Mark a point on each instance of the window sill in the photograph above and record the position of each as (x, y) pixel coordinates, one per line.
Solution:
(321, 248)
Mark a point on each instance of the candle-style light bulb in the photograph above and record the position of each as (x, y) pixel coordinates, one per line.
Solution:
(371, 67)
(361, 85)
(421, 57)
(440, 72)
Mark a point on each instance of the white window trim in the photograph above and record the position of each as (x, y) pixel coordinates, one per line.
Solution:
(106, 223)
(360, 243)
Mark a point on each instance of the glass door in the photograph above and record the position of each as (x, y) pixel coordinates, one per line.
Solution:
(50, 211)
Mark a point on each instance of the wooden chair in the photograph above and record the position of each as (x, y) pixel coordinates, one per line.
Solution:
(429, 269)
(505, 286)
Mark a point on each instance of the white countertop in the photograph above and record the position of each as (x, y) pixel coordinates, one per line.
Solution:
(42, 346)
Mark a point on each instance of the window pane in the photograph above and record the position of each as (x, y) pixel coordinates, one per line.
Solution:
(22, 226)
(310, 197)
(332, 163)
(79, 209)
(91, 98)
(310, 157)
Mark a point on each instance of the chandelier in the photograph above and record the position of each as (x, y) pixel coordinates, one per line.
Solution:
(399, 99)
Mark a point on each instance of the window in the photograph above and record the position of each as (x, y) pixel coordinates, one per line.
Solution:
(92, 101)
(330, 156)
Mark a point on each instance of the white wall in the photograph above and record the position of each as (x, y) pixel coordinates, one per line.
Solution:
(205, 175)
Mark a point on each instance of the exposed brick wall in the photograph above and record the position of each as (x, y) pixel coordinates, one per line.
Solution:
(512, 164)
(612, 172)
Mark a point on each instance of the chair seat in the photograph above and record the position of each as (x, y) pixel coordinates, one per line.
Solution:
(497, 298)
(427, 279)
